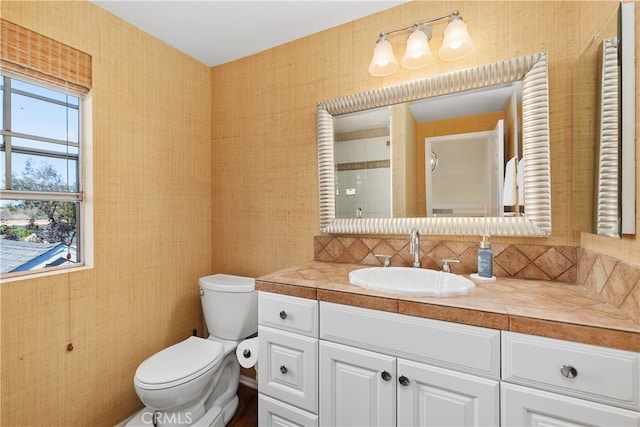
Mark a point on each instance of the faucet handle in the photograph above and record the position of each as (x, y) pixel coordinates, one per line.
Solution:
(446, 264)
(387, 259)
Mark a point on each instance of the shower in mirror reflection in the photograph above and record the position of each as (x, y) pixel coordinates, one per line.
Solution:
(456, 45)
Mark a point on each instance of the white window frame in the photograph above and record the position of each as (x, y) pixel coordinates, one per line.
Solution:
(85, 187)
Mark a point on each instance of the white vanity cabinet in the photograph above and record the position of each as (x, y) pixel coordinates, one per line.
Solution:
(379, 368)
(288, 360)
(560, 383)
(327, 364)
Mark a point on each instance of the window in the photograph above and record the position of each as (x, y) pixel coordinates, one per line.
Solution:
(41, 164)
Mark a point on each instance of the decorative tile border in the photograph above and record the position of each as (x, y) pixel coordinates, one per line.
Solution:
(518, 261)
(616, 282)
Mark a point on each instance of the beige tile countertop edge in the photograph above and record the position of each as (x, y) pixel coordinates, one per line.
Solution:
(543, 308)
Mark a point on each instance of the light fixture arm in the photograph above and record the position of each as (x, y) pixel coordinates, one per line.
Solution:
(453, 15)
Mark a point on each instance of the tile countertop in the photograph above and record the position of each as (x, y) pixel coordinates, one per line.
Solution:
(545, 308)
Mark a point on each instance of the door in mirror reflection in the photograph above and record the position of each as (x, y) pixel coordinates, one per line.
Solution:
(465, 175)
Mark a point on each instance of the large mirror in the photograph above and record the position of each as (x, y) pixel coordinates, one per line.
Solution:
(455, 155)
(492, 180)
(604, 129)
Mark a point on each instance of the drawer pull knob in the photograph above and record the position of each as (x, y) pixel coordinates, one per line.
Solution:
(403, 380)
(283, 314)
(569, 371)
(283, 369)
(386, 376)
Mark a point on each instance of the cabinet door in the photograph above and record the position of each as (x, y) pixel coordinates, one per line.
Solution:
(528, 407)
(432, 396)
(357, 387)
(288, 368)
(273, 413)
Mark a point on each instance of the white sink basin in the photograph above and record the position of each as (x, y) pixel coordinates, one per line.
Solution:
(411, 281)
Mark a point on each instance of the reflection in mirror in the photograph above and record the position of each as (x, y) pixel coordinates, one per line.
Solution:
(604, 185)
(465, 178)
(384, 188)
(363, 164)
(455, 155)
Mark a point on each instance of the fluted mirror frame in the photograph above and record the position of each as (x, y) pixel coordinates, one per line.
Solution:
(608, 190)
(532, 70)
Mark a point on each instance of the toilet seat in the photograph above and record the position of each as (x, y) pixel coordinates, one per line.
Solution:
(178, 364)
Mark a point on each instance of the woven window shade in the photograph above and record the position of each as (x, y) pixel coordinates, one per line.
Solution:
(29, 53)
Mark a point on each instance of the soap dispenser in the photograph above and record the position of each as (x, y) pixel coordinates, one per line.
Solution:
(485, 258)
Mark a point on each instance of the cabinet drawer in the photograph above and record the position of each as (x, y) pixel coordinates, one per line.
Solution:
(273, 413)
(288, 367)
(590, 372)
(523, 406)
(299, 315)
(463, 348)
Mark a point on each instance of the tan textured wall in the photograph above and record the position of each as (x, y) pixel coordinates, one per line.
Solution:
(152, 201)
(266, 214)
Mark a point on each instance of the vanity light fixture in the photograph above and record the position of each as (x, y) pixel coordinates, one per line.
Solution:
(455, 45)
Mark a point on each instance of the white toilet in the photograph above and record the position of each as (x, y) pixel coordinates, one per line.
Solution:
(195, 382)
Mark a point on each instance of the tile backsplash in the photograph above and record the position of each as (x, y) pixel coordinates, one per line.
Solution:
(617, 282)
(518, 261)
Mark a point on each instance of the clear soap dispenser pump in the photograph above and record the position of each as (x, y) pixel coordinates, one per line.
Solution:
(485, 258)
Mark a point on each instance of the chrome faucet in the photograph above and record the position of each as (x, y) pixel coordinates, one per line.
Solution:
(414, 247)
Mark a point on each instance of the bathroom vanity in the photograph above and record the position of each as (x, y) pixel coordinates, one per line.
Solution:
(513, 352)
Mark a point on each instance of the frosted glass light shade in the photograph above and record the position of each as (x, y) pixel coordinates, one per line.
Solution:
(418, 53)
(383, 62)
(457, 43)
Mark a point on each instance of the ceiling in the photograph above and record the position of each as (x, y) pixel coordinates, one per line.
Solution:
(217, 31)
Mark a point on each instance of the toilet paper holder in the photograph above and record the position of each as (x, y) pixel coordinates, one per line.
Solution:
(247, 352)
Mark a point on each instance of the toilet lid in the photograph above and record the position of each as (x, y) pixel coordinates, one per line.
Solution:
(179, 363)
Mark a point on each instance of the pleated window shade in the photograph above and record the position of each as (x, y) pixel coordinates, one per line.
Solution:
(31, 54)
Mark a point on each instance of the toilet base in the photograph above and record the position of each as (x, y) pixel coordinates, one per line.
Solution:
(145, 418)
(214, 417)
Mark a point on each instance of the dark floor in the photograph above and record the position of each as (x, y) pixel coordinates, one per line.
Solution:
(247, 413)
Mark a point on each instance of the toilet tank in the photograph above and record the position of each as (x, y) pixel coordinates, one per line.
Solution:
(230, 306)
